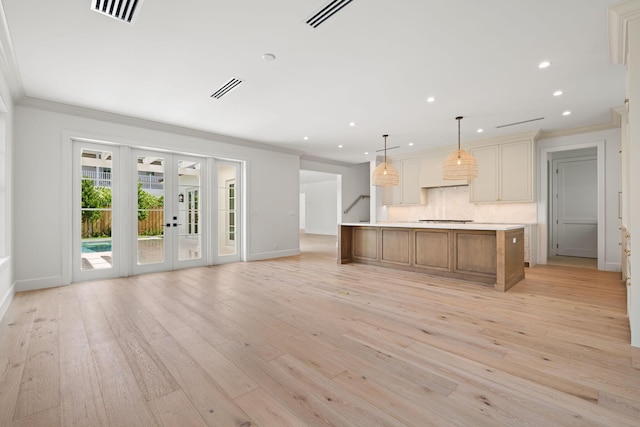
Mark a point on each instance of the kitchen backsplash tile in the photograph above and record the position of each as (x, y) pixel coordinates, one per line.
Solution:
(453, 203)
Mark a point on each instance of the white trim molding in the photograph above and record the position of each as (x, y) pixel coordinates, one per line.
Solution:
(543, 199)
(8, 61)
(619, 16)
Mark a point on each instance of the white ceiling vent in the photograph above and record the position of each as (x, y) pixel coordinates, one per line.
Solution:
(520, 123)
(226, 88)
(124, 10)
(326, 12)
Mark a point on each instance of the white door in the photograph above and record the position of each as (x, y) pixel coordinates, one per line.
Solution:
(97, 230)
(168, 215)
(576, 207)
(227, 247)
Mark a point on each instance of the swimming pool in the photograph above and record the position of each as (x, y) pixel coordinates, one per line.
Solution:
(101, 246)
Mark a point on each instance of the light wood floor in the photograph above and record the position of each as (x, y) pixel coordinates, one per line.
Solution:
(303, 341)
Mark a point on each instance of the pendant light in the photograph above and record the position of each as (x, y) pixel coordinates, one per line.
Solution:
(385, 174)
(460, 164)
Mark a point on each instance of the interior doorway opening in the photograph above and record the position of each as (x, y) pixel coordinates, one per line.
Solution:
(322, 196)
(572, 188)
(573, 203)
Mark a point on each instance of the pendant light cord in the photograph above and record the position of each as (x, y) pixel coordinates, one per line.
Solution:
(385, 150)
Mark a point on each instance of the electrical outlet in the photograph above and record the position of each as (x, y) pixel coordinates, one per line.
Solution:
(514, 240)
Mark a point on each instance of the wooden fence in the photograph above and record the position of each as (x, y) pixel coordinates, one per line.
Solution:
(153, 225)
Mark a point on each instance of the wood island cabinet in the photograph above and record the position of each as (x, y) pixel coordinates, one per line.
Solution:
(490, 254)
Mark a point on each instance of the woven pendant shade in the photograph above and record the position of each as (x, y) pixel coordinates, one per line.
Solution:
(385, 174)
(460, 164)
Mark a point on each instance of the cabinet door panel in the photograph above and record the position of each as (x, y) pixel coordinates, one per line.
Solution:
(516, 176)
(409, 181)
(484, 188)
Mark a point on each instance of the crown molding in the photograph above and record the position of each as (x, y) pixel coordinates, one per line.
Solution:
(614, 124)
(619, 16)
(326, 161)
(88, 113)
(8, 62)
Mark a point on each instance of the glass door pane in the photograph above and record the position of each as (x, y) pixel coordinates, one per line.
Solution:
(227, 209)
(96, 209)
(150, 209)
(189, 210)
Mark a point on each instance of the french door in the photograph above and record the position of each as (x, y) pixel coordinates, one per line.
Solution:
(140, 211)
(168, 215)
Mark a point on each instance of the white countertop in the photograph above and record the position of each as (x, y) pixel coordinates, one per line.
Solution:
(448, 225)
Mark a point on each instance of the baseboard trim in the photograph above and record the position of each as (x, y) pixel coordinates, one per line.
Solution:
(274, 254)
(613, 266)
(6, 300)
(40, 283)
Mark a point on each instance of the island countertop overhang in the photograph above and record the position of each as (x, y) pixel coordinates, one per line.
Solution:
(442, 225)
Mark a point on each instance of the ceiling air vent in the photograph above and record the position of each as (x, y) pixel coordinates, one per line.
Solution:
(327, 12)
(124, 10)
(520, 123)
(226, 88)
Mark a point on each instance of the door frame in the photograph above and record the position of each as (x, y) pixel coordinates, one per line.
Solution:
(543, 198)
(239, 217)
(117, 226)
(66, 224)
(554, 202)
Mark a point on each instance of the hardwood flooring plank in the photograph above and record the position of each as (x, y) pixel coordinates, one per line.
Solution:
(152, 376)
(81, 398)
(49, 417)
(405, 410)
(302, 340)
(209, 400)
(81, 413)
(284, 389)
(16, 329)
(264, 410)
(40, 384)
(124, 401)
(349, 408)
(175, 409)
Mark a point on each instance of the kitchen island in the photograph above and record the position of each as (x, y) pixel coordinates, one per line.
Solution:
(483, 253)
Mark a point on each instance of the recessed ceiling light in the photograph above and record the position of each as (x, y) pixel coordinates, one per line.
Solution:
(566, 113)
(366, 153)
(431, 99)
(480, 130)
(557, 93)
(269, 57)
(544, 64)
(340, 146)
(411, 144)
(352, 124)
(306, 138)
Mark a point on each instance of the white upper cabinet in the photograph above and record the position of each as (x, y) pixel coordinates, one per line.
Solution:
(408, 191)
(409, 181)
(431, 170)
(505, 172)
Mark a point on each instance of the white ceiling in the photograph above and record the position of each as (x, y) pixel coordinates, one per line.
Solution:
(374, 63)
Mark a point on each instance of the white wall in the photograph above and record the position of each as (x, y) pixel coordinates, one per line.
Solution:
(43, 194)
(611, 163)
(355, 181)
(7, 288)
(321, 207)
